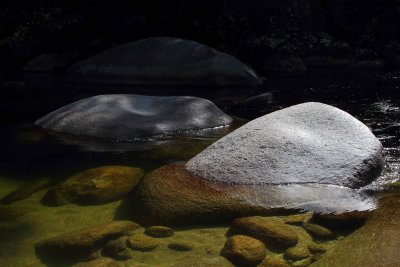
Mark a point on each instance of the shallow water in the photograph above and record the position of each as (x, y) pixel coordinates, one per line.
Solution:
(29, 154)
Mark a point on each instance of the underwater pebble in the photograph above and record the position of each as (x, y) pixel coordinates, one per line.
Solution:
(159, 231)
(142, 242)
(302, 263)
(116, 249)
(273, 261)
(244, 250)
(318, 231)
(273, 232)
(297, 253)
(317, 248)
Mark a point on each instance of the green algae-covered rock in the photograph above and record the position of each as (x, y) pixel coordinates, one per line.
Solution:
(318, 231)
(244, 250)
(142, 242)
(273, 232)
(159, 231)
(273, 261)
(297, 253)
(79, 244)
(180, 246)
(95, 186)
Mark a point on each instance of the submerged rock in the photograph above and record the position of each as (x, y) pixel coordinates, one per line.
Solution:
(95, 186)
(163, 61)
(142, 242)
(318, 231)
(126, 117)
(274, 261)
(374, 244)
(79, 244)
(305, 143)
(297, 253)
(273, 232)
(244, 250)
(159, 231)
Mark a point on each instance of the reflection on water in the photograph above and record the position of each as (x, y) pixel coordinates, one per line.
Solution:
(29, 155)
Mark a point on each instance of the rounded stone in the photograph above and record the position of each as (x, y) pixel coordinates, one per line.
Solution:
(142, 242)
(302, 263)
(111, 116)
(273, 261)
(297, 253)
(244, 250)
(317, 248)
(180, 246)
(95, 186)
(163, 61)
(306, 143)
(79, 244)
(273, 232)
(318, 231)
(159, 231)
(116, 249)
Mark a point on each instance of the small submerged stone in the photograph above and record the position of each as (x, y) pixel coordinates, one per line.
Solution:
(274, 261)
(95, 186)
(317, 248)
(159, 231)
(142, 242)
(318, 231)
(244, 250)
(116, 249)
(273, 232)
(81, 243)
(297, 253)
(180, 246)
(27, 190)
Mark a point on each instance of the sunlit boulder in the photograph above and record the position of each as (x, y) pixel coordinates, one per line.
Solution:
(163, 61)
(306, 143)
(310, 156)
(126, 117)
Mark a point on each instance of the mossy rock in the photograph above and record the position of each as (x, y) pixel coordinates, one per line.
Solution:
(272, 231)
(297, 253)
(95, 186)
(318, 231)
(159, 231)
(180, 246)
(142, 242)
(244, 250)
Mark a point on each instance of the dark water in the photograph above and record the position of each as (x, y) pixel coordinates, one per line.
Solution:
(28, 153)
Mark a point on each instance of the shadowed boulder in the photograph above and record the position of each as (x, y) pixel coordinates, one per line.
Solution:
(125, 117)
(163, 61)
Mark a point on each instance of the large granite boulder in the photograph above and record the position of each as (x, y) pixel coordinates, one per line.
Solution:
(307, 157)
(163, 61)
(125, 117)
(309, 143)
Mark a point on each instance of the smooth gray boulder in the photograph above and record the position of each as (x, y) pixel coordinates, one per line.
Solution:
(126, 117)
(163, 61)
(310, 143)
